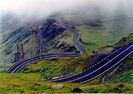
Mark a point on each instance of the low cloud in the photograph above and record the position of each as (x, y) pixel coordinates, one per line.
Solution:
(44, 8)
(39, 7)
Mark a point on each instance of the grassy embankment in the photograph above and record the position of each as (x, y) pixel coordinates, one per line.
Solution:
(32, 82)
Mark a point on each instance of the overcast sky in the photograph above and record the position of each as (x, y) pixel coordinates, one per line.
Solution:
(46, 7)
(39, 6)
(42, 8)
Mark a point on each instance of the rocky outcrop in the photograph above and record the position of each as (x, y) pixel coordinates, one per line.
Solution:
(58, 86)
(51, 29)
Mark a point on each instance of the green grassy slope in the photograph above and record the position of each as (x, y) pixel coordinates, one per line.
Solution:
(58, 67)
(125, 71)
(30, 80)
(31, 83)
(94, 38)
(126, 77)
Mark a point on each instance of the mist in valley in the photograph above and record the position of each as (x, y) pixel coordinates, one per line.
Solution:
(23, 13)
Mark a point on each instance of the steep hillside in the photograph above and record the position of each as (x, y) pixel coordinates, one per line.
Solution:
(95, 33)
(107, 34)
(125, 70)
(14, 32)
(55, 68)
(58, 67)
(32, 82)
(95, 39)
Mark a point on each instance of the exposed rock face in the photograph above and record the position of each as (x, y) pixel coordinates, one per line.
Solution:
(51, 29)
(59, 86)
(22, 34)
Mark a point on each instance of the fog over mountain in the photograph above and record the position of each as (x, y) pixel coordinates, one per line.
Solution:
(45, 8)
(15, 13)
(24, 10)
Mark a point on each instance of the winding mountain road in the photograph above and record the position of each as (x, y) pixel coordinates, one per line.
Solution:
(76, 36)
(19, 66)
(92, 72)
(97, 69)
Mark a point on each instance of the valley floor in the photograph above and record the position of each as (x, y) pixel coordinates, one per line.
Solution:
(32, 83)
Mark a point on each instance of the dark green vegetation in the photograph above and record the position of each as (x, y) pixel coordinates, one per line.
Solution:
(27, 82)
(125, 40)
(31, 79)
(125, 70)
(93, 36)
(58, 67)
(31, 83)
(126, 77)
(106, 35)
